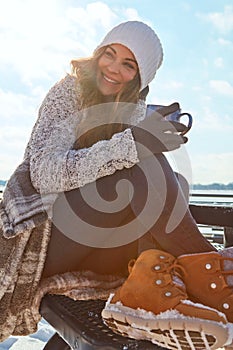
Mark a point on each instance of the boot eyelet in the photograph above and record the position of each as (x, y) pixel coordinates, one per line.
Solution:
(213, 285)
(158, 282)
(208, 266)
(168, 294)
(157, 267)
(162, 257)
(226, 306)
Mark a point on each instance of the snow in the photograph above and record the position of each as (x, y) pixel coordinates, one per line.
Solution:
(34, 341)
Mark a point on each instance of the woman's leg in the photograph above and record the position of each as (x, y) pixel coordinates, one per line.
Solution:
(174, 228)
(70, 252)
(166, 221)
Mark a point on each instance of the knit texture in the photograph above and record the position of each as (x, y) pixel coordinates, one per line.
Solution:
(143, 42)
(53, 166)
(21, 264)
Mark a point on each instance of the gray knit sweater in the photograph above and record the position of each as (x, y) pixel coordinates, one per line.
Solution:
(54, 166)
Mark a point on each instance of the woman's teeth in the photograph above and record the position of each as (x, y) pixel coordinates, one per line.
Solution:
(110, 80)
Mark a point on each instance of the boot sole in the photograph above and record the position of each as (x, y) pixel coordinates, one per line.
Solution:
(181, 333)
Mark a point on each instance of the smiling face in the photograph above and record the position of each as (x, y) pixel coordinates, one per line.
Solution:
(116, 67)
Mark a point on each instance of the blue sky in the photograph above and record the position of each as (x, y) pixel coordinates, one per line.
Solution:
(39, 38)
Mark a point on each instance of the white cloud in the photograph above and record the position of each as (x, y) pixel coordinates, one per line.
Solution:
(18, 114)
(94, 13)
(169, 84)
(166, 89)
(206, 119)
(132, 14)
(175, 84)
(209, 168)
(25, 43)
(39, 38)
(222, 87)
(13, 140)
(186, 6)
(219, 62)
(225, 42)
(196, 88)
(16, 106)
(222, 21)
(88, 22)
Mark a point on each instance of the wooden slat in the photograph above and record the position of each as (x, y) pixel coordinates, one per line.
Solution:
(212, 215)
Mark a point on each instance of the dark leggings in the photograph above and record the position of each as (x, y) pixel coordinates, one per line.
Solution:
(146, 210)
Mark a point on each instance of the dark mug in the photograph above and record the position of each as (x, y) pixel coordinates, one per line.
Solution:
(174, 117)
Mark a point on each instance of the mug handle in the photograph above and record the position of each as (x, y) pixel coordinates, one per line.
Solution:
(190, 122)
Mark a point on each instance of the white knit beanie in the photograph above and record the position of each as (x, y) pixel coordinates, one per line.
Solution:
(142, 41)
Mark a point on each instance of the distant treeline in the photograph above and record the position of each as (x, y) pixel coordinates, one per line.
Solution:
(213, 186)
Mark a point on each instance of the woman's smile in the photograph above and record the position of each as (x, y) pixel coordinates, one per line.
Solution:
(116, 67)
(110, 80)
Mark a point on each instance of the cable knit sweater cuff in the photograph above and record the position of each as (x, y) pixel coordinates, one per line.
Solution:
(104, 158)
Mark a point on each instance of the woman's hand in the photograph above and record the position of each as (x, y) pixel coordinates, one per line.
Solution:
(155, 134)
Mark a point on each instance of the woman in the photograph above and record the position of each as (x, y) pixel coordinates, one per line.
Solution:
(91, 136)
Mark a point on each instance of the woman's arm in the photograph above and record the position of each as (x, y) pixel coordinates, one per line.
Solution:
(54, 165)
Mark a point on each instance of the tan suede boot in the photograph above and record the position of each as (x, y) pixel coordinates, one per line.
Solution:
(151, 306)
(205, 279)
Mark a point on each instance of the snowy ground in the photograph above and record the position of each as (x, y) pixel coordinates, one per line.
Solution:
(35, 341)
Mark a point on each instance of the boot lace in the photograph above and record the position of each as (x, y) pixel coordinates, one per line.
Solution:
(225, 270)
(176, 271)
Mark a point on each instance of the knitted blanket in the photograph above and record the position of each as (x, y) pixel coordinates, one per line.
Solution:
(25, 214)
(25, 228)
(22, 207)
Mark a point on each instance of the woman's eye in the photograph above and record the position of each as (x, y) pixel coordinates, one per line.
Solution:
(108, 54)
(130, 66)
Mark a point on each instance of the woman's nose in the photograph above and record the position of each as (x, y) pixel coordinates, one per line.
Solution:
(114, 67)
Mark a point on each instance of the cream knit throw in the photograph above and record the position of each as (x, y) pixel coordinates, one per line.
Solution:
(21, 265)
(25, 224)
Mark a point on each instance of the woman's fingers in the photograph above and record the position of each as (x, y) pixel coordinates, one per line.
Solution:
(178, 126)
(166, 110)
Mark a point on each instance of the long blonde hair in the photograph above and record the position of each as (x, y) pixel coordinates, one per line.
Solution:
(113, 118)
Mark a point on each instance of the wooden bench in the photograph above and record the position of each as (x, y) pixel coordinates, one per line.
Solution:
(79, 324)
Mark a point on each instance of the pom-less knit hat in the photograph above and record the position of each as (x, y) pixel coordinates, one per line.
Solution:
(142, 41)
